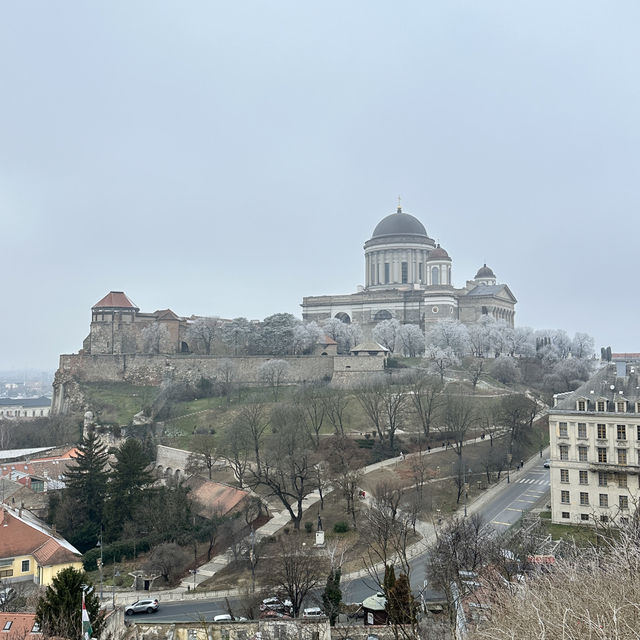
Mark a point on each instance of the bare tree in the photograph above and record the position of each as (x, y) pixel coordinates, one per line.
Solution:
(287, 469)
(312, 403)
(203, 454)
(344, 460)
(253, 420)
(335, 405)
(425, 393)
(273, 373)
(441, 359)
(370, 397)
(226, 375)
(235, 446)
(458, 417)
(476, 368)
(168, 559)
(296, 571)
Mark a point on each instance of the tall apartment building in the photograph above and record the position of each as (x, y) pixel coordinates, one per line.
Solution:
(595, 448)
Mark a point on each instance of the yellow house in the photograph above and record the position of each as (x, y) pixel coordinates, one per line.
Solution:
(31, 550)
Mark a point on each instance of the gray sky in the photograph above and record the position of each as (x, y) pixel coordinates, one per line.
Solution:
(230, 158)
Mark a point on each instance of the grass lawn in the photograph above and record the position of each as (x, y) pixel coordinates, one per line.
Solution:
(117, 402)
(581, 535)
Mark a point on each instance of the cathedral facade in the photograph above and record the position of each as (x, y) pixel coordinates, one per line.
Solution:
(408, 277)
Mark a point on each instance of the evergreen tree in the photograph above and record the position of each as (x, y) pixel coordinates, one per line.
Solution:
(86, 488)
(401, 605)
(332, 596)
(59, 609)
(130, 480)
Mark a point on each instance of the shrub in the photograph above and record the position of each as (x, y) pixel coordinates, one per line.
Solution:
(308, 527)
(340, 527)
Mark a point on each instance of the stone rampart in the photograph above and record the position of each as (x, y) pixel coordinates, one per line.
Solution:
(153, 370)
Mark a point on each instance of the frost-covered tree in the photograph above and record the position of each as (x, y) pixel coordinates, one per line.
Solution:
(582, 346)
(305, 337)
(411, 340)
(386, 334)
(441, 360)
(236, 334)
(273, 373)
(202, 333)
(276, 333)
(552, 344)
(524, 342)
(155, 338)
(481, 337)
(505, 370)
(346, 335)
(449, 333)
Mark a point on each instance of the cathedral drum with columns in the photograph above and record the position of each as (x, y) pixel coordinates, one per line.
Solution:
(408, 277)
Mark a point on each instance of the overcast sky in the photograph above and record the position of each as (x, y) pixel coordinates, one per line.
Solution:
(230, 158)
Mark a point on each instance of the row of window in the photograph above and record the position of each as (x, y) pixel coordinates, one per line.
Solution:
(603, 478)
(601, 431)
(620, 406)
(586, 517)
(404, 274)
(622, 455)
(16, 413)
(603, 499)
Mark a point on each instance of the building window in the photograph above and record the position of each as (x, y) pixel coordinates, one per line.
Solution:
(584, 516)
(564, 497)
(387, 270)
(602, 432)
(373, 274)
(582, 405)
(564, 475)
(7, 625)
(638, 432)
(623, 502)
(6, 573)
(621, 432)
(584, 499)
(602, 479)
(604, 518)
(622, 456)
(564, 452)
(638, 407)
(583, 453)
(584, 477)
(420, 271)
(601, 405)
(621, 406)
(563, 430)
(25, 566)
(565, 514)
(604, 500)
(405, 272)
(435, 275)
(582, 429)
(622, 480)
(624, 520)
(602, 454)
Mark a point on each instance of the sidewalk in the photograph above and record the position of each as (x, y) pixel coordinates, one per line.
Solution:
(279, 520)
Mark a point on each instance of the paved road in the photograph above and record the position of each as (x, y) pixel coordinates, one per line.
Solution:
(525, 490)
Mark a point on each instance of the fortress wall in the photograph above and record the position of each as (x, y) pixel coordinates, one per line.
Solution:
(154, 369)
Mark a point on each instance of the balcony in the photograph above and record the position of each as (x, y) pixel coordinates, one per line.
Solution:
(613, 467)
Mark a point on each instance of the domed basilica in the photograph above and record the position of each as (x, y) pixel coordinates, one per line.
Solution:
(408, 277)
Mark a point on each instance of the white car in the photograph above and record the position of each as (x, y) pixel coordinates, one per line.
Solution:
(313, 612)
(547, 463)
(226, 617)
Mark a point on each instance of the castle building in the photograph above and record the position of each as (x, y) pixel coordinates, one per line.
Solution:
(595, 449)
(409, 277)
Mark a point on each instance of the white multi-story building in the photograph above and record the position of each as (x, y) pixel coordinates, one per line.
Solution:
(595, 449)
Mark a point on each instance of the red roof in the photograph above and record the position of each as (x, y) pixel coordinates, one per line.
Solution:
(22, 625)
(115, 300)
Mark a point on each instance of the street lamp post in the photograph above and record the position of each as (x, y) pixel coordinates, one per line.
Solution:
(509, 458)
(466, 491)
(100, 564)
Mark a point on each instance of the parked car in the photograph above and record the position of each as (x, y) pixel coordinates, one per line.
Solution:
(547, 463)
(226, 617)
(6, 594)
(313, 612)
(275, 604)
(142, 606)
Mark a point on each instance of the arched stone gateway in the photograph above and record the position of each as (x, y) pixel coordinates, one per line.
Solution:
(381, 315)
(343, 317)
(168, 472)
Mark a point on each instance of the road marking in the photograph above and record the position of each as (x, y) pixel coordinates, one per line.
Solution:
(505, 524)
(512, 509)
(523, 500)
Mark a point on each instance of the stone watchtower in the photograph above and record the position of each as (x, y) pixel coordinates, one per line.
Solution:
(112, 325)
